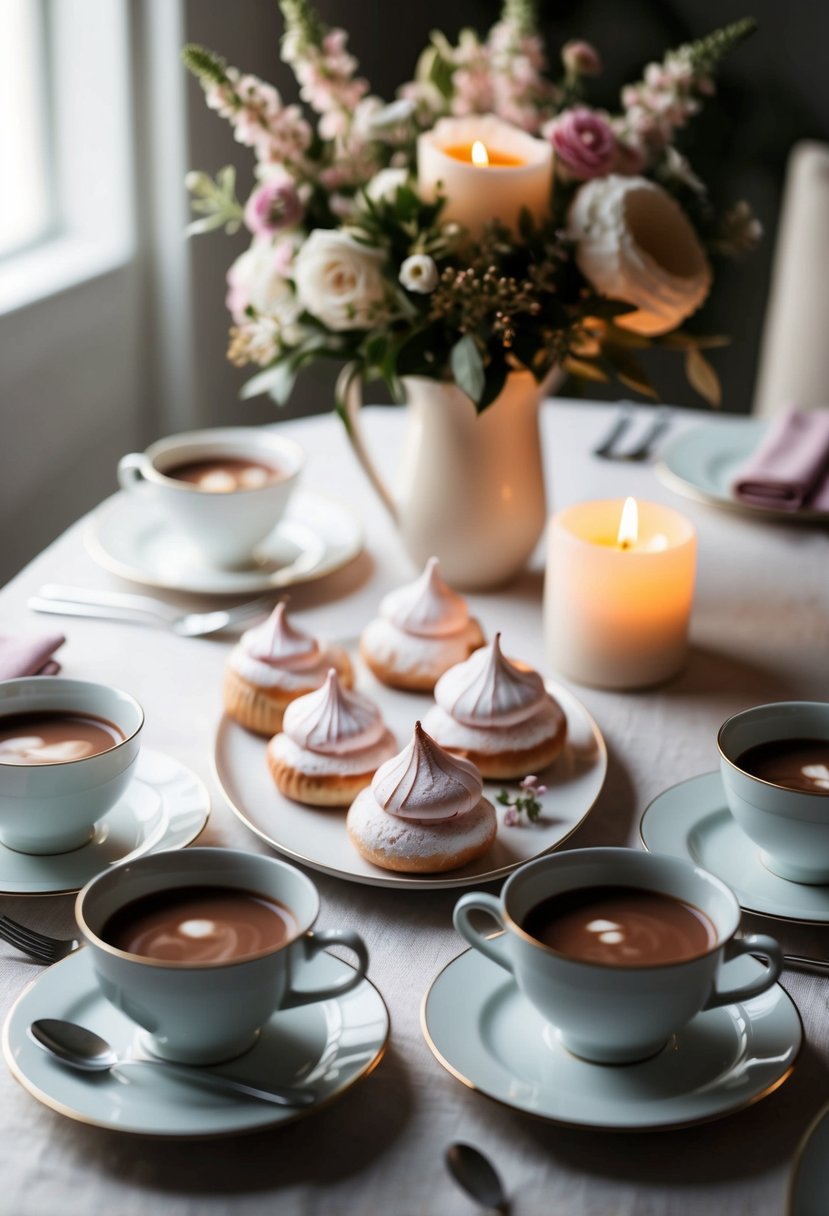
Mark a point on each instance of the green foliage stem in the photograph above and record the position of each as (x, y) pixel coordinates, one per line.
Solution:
(706, 53)
(208, 67)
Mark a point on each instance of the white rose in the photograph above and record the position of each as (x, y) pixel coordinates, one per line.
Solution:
(635, 244)
(257, 280)
(339, 281)
(384, 185)
(419, 273)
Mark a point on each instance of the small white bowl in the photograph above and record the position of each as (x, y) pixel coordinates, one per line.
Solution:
(53, 808)
(790, 826)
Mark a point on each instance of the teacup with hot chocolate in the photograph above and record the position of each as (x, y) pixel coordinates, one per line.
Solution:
(68, 749)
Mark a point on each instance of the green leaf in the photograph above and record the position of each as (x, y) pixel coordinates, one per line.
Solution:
(495, 378)
(630, 371)
(587, 371)
(702, 377)
(277, 381)
(681, 341)
(468, 368)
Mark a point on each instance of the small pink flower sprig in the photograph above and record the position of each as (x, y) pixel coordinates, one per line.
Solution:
(523, 803)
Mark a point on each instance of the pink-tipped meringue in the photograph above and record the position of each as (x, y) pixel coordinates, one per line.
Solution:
(333, 721)
(279, 643)
(428, 607)
(425, 784)
(489, 690)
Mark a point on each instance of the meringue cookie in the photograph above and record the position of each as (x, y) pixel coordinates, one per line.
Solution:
(498, 714)
(424, 811)
(271, 665)
(332, 743)
(422, 630)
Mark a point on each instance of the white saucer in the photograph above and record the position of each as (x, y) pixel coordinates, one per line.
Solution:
(316, 536)
(701, 463)
(484, 1032)
(326, 1046)
(318, 837)
(165, 807)
(692, 820)
(809, 1185)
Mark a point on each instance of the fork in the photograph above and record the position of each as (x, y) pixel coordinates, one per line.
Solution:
(143, 609)
(607, 448)
(39, 946)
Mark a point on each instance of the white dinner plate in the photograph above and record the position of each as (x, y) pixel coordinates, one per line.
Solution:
(809, 1185)
(701, 463)
(486, 1034)
(326, 1047)
(316, 536)
(165, 806)
(318, 837)
(692, 820)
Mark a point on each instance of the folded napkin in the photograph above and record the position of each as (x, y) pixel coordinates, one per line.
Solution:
(29, 656)
(790, 468)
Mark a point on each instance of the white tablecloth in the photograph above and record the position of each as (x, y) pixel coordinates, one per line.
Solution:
(760, 632)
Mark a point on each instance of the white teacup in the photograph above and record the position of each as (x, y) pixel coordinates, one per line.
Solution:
(791, 826)
(53, 807)
(615, 1014)
(201, 1013)
(223, 528)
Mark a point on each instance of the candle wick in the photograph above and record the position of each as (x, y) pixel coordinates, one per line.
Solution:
(625, 544)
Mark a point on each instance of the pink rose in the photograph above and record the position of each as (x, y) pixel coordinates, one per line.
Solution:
(273, 206)
(581, 58)
(583, 141)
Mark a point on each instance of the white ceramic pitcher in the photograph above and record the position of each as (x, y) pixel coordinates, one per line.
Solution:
(471, 487)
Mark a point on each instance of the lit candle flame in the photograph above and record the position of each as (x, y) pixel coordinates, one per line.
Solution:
(480, 156)
(628, 525)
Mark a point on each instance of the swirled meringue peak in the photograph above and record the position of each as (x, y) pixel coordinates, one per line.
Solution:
(425, 784)
(489, 690)
(427, 607)
(280, 643)
(332, 720)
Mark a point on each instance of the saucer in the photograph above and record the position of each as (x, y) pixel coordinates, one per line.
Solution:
(701, 463)
(316, 536)
(722, 1061)
(165, 807)
(327, 1046)
(692, 820)
(809, 1185)
(318, 838)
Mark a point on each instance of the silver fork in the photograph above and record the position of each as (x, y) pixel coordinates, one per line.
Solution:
(608, 450)
(144, 610)
(39, 946)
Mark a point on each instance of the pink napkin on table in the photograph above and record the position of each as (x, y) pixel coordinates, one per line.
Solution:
(29, 656)
(790, 468)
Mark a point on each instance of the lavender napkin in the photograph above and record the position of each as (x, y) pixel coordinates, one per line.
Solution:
(790, 468)
(29, 656)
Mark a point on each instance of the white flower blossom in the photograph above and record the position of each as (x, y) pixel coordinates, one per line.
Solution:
(339, 281)
(419, 273)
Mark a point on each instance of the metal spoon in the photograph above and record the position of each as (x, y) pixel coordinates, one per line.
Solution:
(83, 1049)
(475, 1174)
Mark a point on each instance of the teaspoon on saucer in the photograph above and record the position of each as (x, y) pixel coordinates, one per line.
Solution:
(475, 1174)
(83, 1049)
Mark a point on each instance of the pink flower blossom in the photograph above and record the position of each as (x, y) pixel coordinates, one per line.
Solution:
(583, 141)
(273, 206)
(511, 819)
(581, 58)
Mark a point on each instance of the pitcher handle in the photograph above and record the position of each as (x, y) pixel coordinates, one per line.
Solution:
(349, 399)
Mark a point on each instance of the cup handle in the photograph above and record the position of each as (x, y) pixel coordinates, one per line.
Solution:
(349, 399)
(131, 470)
(770, 953)
(311, 945)
(494, 948)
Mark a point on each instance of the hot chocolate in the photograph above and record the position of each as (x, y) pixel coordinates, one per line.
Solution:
(224, 474)
(621, 927)
(797, 764)
(200, 925)
(55, 737)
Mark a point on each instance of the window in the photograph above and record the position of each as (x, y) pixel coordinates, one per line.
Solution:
(26, 209)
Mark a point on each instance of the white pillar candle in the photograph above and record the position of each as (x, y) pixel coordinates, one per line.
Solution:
(519, 173)
(616, 612)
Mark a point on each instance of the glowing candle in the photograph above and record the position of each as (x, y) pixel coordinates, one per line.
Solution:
(486, 169)
(619, 587)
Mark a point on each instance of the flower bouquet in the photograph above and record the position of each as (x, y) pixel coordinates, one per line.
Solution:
(486, 220)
